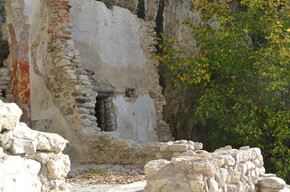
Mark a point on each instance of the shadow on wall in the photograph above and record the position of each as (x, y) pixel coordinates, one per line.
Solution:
(4, 48)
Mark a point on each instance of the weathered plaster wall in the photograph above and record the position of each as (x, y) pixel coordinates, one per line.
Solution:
(116, 47)
(136, 120)
(109, 44)
(47, 78)
(169, 16)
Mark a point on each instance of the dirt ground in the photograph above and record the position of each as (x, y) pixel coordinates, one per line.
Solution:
(106, 178)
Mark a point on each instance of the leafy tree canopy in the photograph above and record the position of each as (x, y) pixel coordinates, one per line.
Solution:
(241, 74)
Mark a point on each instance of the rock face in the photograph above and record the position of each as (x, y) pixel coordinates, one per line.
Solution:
(30, 161)
(225, 169)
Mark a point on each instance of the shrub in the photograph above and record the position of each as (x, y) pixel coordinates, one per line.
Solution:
(242, 75)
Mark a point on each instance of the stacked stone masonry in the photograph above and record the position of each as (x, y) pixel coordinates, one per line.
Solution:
(224, 170)
(74, 92)
(68, 82)
(70, 85)
(111, 149)
(30, 161)
(5, 83)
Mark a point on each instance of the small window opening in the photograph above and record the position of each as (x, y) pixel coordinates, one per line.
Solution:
(105, 111)
(2, 94)
(130, 92)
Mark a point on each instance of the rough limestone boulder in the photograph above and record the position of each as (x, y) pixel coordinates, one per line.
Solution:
(30, 161)
(9, 116)
(225, 170)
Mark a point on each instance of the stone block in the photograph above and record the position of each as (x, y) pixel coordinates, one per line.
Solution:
(164, 147)
(178, 147)
(9, 116)
(272, 182)
(120, 143)
(23, 146)
(4, 71)
(212, 185)
(205, 168)
(58, 167)
(62, 63)
(159, 155)
(46, 141)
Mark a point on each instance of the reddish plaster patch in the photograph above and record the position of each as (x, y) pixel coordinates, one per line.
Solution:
(20, 71)
(61, 36)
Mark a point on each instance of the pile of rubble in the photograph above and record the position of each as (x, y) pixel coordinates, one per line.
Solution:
(30, 160)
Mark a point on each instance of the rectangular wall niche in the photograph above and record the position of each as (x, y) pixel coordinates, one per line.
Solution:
(105, 111)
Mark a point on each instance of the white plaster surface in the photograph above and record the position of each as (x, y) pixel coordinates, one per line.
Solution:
(43, 107)
(136, 120)
(109, 43)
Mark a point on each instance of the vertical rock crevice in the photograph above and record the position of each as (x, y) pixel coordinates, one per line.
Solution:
(160, 20)
(4, 48)
(141, 9)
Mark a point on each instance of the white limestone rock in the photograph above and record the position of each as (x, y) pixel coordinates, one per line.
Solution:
(286, 189)
(58, 167)
(21, 146)
(9, 115)
(19, 174)
(178, 147)
(2, 154)
(212, 185)
(272, 182)
(152, 167)
(197, 186)
(46, 141)
(205, 167)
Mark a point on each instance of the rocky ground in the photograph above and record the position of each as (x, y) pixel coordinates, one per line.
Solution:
(106, 178)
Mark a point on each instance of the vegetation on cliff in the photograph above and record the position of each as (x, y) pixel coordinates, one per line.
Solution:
(242, 75)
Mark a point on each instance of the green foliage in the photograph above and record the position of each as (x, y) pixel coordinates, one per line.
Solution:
(242, 75)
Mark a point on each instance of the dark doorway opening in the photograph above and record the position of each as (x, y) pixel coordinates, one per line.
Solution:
(105, 111)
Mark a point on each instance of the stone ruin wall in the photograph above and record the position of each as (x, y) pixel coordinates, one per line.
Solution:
(30, 161)
(49, 88)
(169, 16)
(33, 161)
(224, 170)
(52, 87)
(116, 48)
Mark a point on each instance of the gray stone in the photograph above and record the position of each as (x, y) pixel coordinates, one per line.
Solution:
(23, 146)
(82, 100)
(4, 71)
(84, 111)
(50, 142)
(272, 182)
